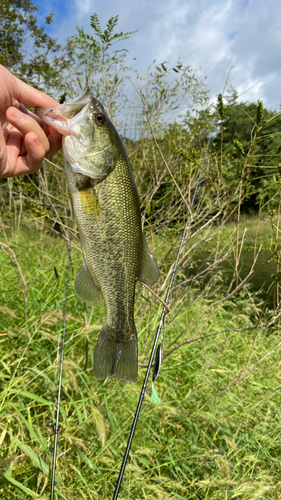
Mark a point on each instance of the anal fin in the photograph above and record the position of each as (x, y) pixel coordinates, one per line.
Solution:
(85, 287)
(149, 273)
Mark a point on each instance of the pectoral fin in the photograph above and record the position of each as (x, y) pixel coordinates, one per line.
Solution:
(149, 273)
(85, 287)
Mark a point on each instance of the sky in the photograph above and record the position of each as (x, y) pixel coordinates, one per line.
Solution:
(211, 36)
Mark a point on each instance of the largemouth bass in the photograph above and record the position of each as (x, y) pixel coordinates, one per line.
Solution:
(105, 203)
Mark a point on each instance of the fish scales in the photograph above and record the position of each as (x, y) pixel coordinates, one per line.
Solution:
(117, 236)
(105, 203)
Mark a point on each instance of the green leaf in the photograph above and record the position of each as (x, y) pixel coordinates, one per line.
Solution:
(19, 485)
(86, 460)
(29, 395)
(96, 24)
(31, 431)
(36, 460)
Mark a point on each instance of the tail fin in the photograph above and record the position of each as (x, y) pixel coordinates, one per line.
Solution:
(116, 359)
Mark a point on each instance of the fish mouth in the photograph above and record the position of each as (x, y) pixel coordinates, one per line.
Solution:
(59, 117)
(55, 118)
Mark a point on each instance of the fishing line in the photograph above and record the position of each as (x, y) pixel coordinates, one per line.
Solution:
(60, 377)
(162, 318)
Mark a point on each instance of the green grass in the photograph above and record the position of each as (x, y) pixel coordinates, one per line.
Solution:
(215, 433)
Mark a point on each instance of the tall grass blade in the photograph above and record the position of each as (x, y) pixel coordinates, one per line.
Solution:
(21, 486)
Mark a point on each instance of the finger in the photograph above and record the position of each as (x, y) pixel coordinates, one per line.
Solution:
(32, 97)
(53, 136)
(40, 122)
(17, 164)
(11, 146)
(35, 117)
(13, 151)
(35, 152)
(3, 154)
(55, 140)
(26, 124)
(31, 162)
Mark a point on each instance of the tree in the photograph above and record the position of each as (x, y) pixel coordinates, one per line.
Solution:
(27, 50)
(251, 137)
(96, 65)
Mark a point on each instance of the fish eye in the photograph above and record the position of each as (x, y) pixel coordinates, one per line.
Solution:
(100, 119)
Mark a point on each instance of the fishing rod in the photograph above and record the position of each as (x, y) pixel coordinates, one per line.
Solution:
(162, 318)
(60, 376)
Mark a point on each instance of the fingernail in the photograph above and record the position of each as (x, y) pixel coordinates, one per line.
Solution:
(16, 114)
(36, 140)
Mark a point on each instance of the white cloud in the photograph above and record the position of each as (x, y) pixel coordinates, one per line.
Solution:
(209, 35)
(84, 8)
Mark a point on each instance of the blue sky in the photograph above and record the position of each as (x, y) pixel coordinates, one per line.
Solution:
(209, 35)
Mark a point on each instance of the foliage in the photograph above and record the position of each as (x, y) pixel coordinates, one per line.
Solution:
(252, 137)
(27, 50)
(214, 432)
(95, 65)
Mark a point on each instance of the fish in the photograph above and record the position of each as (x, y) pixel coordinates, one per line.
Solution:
(105, 204)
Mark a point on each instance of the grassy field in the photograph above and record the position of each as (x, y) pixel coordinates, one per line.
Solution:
(215, 433)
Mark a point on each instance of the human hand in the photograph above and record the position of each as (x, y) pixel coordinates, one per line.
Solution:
(24, 138)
